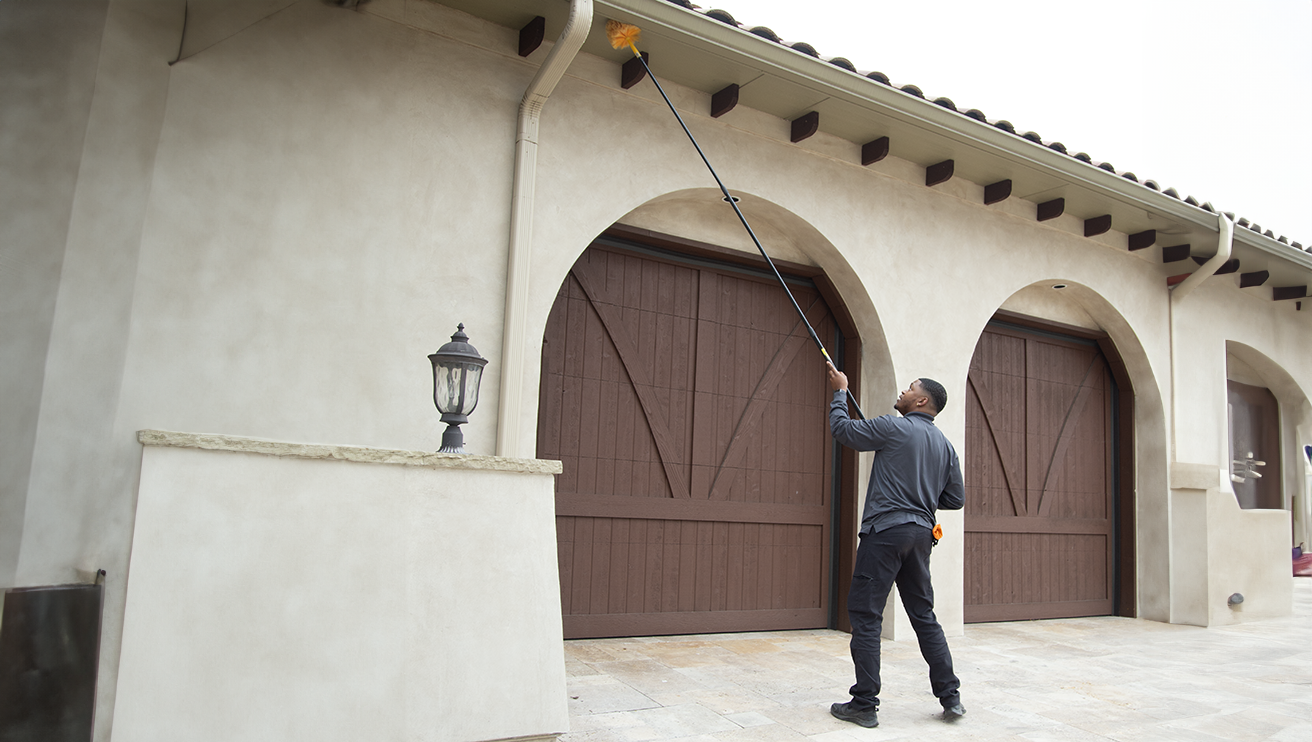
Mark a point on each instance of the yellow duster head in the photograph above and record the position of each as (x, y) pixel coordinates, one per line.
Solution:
(622, 34)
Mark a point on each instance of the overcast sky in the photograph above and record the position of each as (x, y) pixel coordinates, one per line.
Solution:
(1211, 98)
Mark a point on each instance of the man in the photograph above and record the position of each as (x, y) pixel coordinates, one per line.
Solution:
(916, 472)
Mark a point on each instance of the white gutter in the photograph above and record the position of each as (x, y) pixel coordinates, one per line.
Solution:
(510, 410)
(1224, 246)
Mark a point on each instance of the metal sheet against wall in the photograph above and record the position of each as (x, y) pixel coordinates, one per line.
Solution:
(49, 647)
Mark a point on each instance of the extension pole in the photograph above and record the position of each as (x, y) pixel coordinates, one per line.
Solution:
(734, 203)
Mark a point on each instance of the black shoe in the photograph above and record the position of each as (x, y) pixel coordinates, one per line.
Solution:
(953, 711)
(868, 718)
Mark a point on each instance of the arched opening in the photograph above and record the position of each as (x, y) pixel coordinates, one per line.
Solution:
(1270, 424)
(1050, 515)
(702, 491)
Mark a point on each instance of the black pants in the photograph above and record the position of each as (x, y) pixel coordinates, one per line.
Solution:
(898, 555)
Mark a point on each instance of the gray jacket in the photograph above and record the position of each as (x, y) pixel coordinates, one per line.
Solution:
(916, 470)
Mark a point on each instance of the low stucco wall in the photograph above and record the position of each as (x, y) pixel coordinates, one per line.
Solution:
(1219, 549)
(283, 591)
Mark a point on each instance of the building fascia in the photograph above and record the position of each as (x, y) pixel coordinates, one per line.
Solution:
(741, 47)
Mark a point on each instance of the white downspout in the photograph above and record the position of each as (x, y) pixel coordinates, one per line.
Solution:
(1181, 554)
(519, 253)
(1224, 246)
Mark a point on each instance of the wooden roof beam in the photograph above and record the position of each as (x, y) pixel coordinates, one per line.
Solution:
(874, 150)
(997, 192)
(805, 126)
(1097, 225)
(1140, 240)
(1175, 253)
(1051, 209)
(633, 71)
(939, 172)
(724, 100)
(1229, 266)
(1256, 278)
(531, 35)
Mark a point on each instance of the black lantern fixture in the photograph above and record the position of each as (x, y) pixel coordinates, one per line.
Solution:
(457, 370)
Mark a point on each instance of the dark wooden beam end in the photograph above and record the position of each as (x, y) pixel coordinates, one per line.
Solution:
(1256, 278)
(724, 100)
(531, 35)
(997, 192)
(1229, 266)
(1052, 209)
(1097, 225)
(1140, 240)
(1281, 293)
(874, 150)
(1175, 253)
(939, 172)
(805, 126)
(633, 71)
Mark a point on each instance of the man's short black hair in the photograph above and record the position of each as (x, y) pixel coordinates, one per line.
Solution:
(937, 394)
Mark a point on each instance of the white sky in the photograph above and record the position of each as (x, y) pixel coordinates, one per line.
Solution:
(1211, 98)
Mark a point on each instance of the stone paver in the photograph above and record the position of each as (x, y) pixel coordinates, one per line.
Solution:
(1070, 679)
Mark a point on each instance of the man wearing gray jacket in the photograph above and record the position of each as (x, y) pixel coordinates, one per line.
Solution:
(915, 473)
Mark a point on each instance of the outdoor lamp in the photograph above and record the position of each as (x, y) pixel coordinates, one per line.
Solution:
(457, 370)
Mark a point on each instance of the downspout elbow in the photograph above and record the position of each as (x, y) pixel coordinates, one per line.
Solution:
(1224, 246)
(553, 69)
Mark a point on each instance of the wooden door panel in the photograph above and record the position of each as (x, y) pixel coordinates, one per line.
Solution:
(691, 422)
(1038, 490)
(1001, 438)
(659, 575)
(985, 470)
(1039, 575)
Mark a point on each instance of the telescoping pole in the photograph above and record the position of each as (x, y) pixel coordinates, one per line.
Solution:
(624, 34)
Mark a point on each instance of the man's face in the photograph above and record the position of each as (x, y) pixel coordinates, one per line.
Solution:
(906, 401)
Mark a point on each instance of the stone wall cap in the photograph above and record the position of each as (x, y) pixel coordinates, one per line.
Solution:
(359, 454)
(1194, 476)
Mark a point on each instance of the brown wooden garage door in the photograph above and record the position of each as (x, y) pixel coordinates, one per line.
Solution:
(1039, 480)
(688, 406)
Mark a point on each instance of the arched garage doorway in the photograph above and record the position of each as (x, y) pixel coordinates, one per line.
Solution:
(701, 491)
(1049, 515)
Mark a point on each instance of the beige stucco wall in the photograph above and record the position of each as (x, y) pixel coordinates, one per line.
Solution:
(48, 58)
(330, 593)
(1219, 551)
(267, 238)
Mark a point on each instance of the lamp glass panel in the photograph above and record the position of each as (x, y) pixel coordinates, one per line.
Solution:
(472, 378)
(447, 386)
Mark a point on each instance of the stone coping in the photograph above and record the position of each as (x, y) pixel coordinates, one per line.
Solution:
(360, 454)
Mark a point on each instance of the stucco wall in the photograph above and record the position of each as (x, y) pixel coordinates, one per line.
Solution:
(340, 597)
(48, 57)
(1219, 551)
